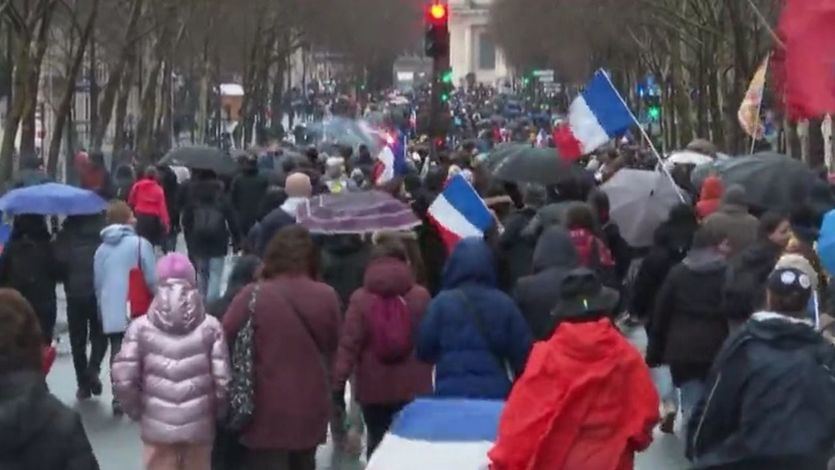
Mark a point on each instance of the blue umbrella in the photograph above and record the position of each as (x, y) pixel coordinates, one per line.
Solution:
(826, 242)
(52, 199)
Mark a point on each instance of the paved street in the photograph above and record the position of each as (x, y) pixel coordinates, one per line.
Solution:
(117, 445)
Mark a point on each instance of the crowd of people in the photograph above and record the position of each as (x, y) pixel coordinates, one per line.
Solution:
(252, 373)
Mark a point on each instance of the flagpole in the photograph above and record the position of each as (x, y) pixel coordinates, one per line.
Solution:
(760, 107)
(766, 24)
(643, 133)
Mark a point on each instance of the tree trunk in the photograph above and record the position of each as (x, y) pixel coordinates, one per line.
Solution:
(120, 137)
(203, 105)
(27, 132)
(94, 89)
(15, 111)
(114, 81)
(65, 104)
(816, 144)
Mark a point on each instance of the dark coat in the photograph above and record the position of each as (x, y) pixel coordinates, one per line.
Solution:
(747, 275)
(292, 386)
(688, 326)
(516, 247)
(432, 248)
(248, 190)
(209, 193)
(171, 187)
(467, 363)
(344, 258)
(242, 274)
(270, 226)
(771, 400)
(537, 294)
(75, 248)
(376, 382)
(36, 430)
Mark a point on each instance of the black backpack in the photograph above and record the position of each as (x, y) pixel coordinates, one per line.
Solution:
(209, 222)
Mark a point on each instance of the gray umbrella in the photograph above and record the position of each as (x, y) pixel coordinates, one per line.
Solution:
(640, 201)
(525, 164)
(201, 158)
(771, 181)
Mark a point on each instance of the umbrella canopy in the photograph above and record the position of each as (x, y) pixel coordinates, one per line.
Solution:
(640, 202)
(525, 164)
(686, 157)
(356, 213)
(826, 242)
(52, 199)
(771, 181)
(201, 158)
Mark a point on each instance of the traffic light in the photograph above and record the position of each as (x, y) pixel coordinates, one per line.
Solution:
(653, 108)
(436, 40)
(447, 87)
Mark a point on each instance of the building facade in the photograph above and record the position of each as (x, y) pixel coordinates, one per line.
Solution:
(472, 49)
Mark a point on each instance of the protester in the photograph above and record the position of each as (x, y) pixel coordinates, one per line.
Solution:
(744, 291)
(516, 246)
(299, 189)
(688, 326)
(537, 294)
(75, 250)
(93, 175)
(621, 252)
(472, 332)
(172, 372)
(121, 251)
(593, 252)
(597, 405)
(248, 190)
(733, 221)
(147, 199)
(36, 430)
(432, 248)
(171, 187)
(123, 180)
(209, 226)
(343, 262)
(243, 273)
(335, 178)
(295, 340)
(376, 342)
(272, 200)
(772, 399)
(711, 197)
(28, 266)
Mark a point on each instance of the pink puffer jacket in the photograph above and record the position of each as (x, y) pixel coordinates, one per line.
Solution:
(173, 369)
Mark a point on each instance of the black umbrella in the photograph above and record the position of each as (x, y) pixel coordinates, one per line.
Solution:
(524, 164)
(201, 158)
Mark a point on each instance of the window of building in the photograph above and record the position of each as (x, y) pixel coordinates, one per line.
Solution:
(486, 52)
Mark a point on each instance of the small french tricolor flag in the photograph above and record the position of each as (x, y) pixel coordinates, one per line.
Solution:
(459, 212)
(595, 117)
(435, 434)
(391, 161)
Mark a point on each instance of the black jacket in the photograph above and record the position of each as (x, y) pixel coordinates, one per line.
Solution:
(75, 249)
(171, 187)
(770, 400)
(36, 430)
(269, 227)
(208, 193)
(747, 275)
(517, 247)
(537, 294)
(248, 190)
(688, 325)
(344, 259)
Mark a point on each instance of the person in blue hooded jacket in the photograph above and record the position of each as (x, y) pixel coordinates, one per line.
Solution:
(473, 332)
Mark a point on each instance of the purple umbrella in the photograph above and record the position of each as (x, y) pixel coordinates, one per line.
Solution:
(356, 213)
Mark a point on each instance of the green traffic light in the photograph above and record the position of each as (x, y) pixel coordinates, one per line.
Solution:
(447, 77)
(654, 112)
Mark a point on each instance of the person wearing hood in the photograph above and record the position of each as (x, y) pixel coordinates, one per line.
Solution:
(173, 371)
(536, 295)
(147, 199)
(75, 250)
(711, 197)
(516, 247)
(388, 375)
(343, 261)
(37, 431)
(733, 221)
(121, 251)
(579, 378)
(688, 326)
(248, 190)
(28, 265)
(209, 225)
(432, 248)
(299, 189)
(744, 291)
(473, 332)
(772, 390)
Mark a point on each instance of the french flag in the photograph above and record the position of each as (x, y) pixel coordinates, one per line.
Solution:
(459, 212)
(440, 434)
(391, 161)
(595, 117)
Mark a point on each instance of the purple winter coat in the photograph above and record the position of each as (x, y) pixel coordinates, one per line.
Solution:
(173, 369)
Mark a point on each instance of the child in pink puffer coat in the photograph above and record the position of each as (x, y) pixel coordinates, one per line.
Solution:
(172, 372)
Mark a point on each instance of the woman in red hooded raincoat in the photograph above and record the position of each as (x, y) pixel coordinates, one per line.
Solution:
(586, 400)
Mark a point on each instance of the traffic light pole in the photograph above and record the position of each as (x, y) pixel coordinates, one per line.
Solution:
(437, 124)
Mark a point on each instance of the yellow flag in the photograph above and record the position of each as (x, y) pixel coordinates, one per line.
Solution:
(749, 110)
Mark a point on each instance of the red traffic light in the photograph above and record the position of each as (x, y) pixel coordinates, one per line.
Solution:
(438, 13)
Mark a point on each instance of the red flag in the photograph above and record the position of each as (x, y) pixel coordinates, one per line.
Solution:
(569, 147)
(806, 64)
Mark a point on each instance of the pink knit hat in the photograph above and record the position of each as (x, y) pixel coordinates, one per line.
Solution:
(175, 266)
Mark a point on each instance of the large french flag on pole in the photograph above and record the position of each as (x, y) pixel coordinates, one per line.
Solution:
(595, 117)
(437, 434)
(459, 212)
